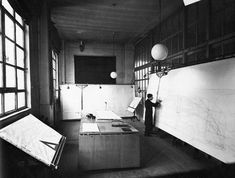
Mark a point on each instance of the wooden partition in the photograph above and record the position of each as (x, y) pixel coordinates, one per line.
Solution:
(198, 106)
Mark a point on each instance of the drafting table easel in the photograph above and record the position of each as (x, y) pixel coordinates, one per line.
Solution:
(36, 139)
(132, 107)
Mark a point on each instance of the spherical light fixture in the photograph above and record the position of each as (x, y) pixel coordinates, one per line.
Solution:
(159, 52)
(113, 75)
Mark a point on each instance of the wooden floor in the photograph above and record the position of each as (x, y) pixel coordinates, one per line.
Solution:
(161, 156)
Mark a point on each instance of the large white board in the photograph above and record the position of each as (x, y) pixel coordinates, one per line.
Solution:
(70, 101)
(198, 106)
(77, 102)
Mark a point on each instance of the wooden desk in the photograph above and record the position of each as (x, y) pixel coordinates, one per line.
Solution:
(112, 146)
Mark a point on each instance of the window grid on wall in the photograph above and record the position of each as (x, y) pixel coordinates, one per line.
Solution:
(201, 32)
(142, 53)
(141, 82)
(13, 94)
(208, 34)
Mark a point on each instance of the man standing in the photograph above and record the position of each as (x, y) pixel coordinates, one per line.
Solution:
(149, 113)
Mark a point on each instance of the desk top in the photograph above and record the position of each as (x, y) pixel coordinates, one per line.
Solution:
(110, 127)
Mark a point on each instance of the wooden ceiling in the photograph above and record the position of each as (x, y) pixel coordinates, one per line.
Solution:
(121, 21)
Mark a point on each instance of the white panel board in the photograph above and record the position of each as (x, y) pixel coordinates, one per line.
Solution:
(70, 97)
(114, 98)
(153, 88)
(198, 107)
(33, 137)
(133, 105)
(188, 2)
(77, 102)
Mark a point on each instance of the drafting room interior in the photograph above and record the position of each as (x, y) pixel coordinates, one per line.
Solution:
(75, 74)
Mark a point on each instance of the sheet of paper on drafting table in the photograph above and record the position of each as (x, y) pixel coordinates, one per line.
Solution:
(90, 127)
(33, 137)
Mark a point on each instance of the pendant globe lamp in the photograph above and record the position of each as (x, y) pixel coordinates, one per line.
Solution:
(159, 51)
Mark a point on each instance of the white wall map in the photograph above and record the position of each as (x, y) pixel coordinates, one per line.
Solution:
(198, 106)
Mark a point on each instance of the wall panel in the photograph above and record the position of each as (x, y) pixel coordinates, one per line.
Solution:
(79, 100)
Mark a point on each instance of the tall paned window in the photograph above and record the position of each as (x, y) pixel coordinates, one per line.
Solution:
(13, 96)
(55, 74)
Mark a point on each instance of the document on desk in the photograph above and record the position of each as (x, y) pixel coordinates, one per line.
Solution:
(90, 127)
(107, 115)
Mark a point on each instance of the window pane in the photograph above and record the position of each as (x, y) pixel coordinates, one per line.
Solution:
(21, 99)
(0, 103)
(19, 36)
(7, 6)
(13, 35)
(54, 74)
(53, 55)
(1, 76)
(53, 63)
(54, 84)
(136, 75)
(10, 52)
(0, 45)
(20, 79)
(10, 76)
(19, 18)
(0, 20)
(9, 26)
(20, 57)
(9, 101)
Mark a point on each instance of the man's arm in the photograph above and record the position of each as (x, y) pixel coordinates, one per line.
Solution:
(158, 103)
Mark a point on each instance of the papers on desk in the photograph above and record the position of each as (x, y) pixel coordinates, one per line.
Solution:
(107, 115)
(119, 124)
(90, 127)
(105, 128)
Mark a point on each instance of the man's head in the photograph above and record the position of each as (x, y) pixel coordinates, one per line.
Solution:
(150, 96)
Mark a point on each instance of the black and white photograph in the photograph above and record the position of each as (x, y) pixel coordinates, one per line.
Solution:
(117, 88)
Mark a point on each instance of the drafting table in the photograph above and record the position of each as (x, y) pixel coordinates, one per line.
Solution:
(35, 138)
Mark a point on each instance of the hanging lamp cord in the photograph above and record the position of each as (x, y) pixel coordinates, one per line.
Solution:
(160, 13)
(113, 43)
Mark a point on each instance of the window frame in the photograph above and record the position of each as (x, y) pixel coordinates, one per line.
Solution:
(20, 85)
(55, 74)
